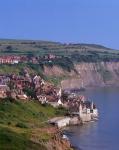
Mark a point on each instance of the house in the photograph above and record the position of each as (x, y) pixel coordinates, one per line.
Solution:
(58, 92)
(9, 59)
(37, 81)
(3, 91)
(22, 97)
(52, 100)
(51, 56)
(85, 110)
(24, 59)
(94, 111)
(34, 60)
(42, 99)
(60, 102)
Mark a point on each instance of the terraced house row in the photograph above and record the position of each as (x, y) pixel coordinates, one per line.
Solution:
(13, 59)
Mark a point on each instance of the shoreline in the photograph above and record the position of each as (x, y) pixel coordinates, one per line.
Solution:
(66, 131)
(72, 146)
(78, 90)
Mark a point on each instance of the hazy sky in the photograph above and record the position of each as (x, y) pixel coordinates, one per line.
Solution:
(84, 21)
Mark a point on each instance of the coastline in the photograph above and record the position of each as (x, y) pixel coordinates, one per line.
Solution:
(58, 142)
(66, 132)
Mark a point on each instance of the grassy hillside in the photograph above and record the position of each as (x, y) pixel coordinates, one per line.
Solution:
(22, 124)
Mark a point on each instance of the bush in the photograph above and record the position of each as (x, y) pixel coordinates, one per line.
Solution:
(9, 123)
(30, 92)
(61, 111)
(21, 125)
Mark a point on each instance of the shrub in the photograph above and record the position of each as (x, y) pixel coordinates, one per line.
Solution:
(61, 111)
(21, 125)
(9, 123)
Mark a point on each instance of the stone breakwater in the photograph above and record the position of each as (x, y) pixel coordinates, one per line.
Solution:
(62, 122)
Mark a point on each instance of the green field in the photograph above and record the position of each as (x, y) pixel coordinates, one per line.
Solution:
(40, 48)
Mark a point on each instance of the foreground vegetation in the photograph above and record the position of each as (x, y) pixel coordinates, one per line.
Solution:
(22, 125)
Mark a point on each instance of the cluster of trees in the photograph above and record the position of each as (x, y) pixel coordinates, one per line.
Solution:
(94, 57)
(64, 62)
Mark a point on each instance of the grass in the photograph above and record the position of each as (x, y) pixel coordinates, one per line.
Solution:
(20, 122)
(18, 68)
(40, 48)
(29, 113)
(56, 80)
(10, 140)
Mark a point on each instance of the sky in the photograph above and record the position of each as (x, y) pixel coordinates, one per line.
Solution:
(67, 21)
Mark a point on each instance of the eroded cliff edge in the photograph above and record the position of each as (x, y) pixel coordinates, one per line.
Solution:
(87, 74)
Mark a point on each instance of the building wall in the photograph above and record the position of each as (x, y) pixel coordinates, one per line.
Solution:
(63, 122)
(85, 117)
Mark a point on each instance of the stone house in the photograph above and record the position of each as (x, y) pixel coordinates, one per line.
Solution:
(42, 99)
(3, 91)
(22, 97)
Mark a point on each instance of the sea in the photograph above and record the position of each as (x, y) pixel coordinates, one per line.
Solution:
(104, 133)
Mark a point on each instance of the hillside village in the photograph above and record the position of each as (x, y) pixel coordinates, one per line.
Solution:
(28, 87)
(14, 59)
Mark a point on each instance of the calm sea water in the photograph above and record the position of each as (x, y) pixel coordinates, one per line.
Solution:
(103, 134)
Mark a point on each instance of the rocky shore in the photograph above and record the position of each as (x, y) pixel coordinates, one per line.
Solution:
(57, 142)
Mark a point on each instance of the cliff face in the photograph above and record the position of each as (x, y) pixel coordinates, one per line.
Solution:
(52, 139)
(88, 75)
(57, 143)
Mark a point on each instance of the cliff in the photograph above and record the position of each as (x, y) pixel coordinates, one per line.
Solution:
(87, 74)
(57, 143)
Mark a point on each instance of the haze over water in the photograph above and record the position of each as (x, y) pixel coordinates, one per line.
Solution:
(103, 134)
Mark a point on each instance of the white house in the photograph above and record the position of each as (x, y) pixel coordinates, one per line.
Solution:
(42, 99)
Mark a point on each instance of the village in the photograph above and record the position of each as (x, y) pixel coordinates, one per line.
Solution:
(15, 59)
(28, 87)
